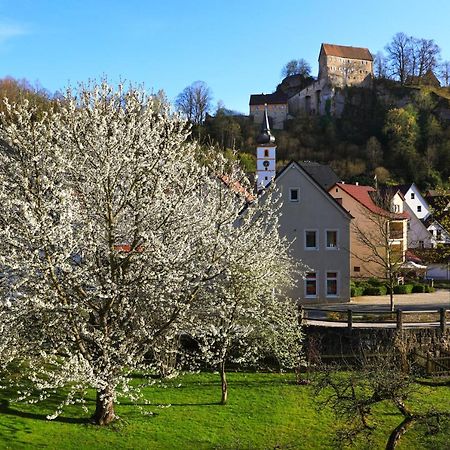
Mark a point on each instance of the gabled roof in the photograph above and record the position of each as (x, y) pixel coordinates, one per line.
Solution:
(403, 188)
(271, 99)
(364, 196)
(322, 173)
(297, 165)
(344, 51)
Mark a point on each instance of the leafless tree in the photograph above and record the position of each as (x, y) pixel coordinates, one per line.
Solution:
(411, 58)
(354, 395)
(425, 56)
(194, 102)
(444, 72)
(399, 54)
(377, 232)
(380, 68)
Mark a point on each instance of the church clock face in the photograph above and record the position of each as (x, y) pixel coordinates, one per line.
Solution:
(266, 163)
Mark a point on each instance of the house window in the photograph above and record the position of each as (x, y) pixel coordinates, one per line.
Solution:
(421, 244)
(332, 284)
(311, 284)
(419, 209)
(412, 196)
(311, 240)
(331, 239)
(438, 235)
(356, 269)
(294, 194)
(266, 153)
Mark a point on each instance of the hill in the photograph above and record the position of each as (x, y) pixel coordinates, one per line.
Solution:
(400, 133)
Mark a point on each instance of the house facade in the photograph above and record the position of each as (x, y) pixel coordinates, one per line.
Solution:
(319, 229)
(374, 231)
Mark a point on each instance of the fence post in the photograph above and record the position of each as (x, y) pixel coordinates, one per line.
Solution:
(399, 319)
(429, 370)
(443, 319)
(350, 318)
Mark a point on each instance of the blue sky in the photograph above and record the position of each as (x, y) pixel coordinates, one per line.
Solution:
(237, 47)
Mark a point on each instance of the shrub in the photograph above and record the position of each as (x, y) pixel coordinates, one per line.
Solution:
(429, 289)
(403, 289)
(375, 290)
(356, 291)
(419, 288)
(375, 282)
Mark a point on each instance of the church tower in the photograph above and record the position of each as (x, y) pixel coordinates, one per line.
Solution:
(265, 155)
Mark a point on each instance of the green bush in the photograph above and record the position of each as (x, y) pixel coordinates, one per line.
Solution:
(375, 282)
(375, 290)
(418, 288)
(356, 291)
(429, 289)
(403, 289)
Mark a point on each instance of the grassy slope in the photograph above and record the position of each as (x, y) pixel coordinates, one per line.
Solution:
(265, 411)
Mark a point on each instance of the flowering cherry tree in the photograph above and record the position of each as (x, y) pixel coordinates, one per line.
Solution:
(114, 233)
(245, 314)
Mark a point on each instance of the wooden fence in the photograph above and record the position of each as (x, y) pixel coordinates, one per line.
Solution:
(434, 365)
(352, 318)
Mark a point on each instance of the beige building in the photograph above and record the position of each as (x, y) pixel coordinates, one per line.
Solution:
(376, 233)
(277, 108)
(319, 229)
(339, 66)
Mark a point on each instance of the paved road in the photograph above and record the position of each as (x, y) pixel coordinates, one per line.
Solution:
(410, 302)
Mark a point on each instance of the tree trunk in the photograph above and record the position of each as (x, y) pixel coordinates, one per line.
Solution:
(223, 378)
(104, 409)
(398, 432)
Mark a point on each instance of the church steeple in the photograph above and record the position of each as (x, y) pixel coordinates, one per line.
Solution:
(265, 137)
(265, 154)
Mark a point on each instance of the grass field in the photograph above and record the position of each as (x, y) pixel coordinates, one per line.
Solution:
(265, 411)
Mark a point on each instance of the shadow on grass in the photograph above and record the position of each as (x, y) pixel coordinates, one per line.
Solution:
(6, 409)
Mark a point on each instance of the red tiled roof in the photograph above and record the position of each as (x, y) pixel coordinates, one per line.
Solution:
(362, 195)
(344, 51)
(237, 187)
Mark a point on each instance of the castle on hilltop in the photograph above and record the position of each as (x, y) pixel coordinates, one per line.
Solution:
(339, 66)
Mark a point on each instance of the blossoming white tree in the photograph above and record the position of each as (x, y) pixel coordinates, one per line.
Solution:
(113, 232)
(245, 316)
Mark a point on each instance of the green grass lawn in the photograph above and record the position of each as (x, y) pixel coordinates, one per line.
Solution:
(265, 411)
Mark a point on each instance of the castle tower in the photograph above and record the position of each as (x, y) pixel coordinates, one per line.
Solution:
(265, 155)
